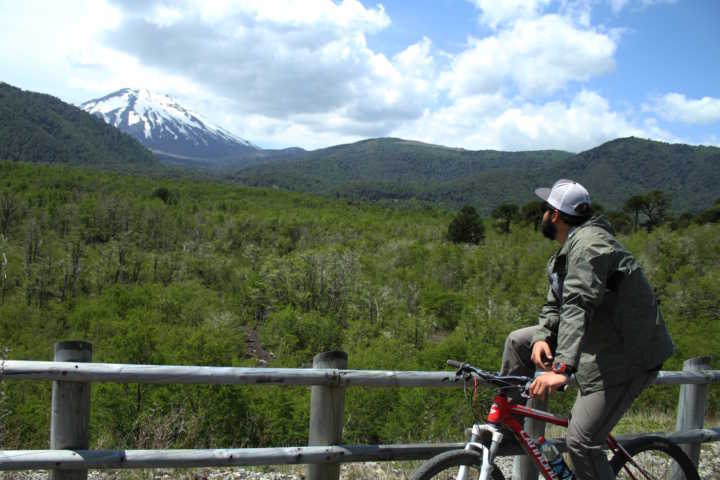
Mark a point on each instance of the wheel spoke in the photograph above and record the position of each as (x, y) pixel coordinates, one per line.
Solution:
(654, 459)
(650, 465)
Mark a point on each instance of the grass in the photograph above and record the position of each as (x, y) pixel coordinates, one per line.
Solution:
(638, 422)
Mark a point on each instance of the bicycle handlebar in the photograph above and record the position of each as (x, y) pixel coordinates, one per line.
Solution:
(503, 381)
(493, 378)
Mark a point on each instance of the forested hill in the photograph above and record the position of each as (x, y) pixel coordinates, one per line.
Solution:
(616, 170)
(398, 169)
(36, 127)
(396, 160)
(40, 128)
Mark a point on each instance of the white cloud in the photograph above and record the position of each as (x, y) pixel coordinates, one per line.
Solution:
(43, 42)
(164, 16)
(347, 15)
(387, 93)
(578, 10)
(677, 107)
(309, 133)
(538, 57)
(495, 13)
(492, 121)
(303, 73)
(306, 76)
(273, 58)
(301, 68)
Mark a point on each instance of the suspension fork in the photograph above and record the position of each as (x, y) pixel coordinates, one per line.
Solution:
(488, 453)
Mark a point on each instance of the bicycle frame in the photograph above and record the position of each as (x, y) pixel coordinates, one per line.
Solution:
(503, 412)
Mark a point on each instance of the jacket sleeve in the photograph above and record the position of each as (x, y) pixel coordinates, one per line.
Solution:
(549, 319)
(583, 291)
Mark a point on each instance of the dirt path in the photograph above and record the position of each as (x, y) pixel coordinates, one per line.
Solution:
(253, 347)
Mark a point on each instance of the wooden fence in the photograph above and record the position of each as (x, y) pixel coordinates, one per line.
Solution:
(72, 375)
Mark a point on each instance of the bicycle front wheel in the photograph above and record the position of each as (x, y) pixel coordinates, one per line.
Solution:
(654, 458)
(447, 465)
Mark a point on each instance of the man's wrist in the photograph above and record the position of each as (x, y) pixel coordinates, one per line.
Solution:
(562, 368)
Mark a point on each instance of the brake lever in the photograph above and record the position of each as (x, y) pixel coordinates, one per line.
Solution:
(571, 382)
(461, 374)
(467, 377)
(462, 371)
(524, 394)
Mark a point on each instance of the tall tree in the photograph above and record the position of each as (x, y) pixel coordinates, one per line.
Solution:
(531, 213)
(504, 214)
(711, 215)
(621, 221)
(655, 207)
(8, 211)
(466, 227)
(634, 205)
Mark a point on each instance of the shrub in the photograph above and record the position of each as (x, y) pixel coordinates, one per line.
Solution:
(466, 227)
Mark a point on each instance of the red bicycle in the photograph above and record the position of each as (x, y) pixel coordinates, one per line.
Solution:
(647, 458)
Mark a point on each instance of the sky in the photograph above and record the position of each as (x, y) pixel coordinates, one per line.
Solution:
(474, 74)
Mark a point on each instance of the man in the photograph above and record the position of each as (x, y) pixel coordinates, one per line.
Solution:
(601, 323)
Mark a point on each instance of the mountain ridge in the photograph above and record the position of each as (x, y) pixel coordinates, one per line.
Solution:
(391, 169)
(37, 127)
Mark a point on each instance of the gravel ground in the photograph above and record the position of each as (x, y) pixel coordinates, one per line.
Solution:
(709, 470)
(710, 461)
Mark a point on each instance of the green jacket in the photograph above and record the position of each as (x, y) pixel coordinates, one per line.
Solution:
(601, 315)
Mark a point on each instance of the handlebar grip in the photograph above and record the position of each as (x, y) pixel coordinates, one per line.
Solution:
(455, 364)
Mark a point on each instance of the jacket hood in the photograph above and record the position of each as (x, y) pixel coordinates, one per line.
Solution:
(601, 222)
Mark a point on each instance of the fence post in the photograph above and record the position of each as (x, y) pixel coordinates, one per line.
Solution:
(70, 414)
(327, 405)
(692, 405)
(523, 466)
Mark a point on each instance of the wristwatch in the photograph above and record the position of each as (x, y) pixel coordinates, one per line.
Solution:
(562, 368)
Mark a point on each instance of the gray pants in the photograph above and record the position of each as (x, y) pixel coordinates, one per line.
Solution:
(593, 415)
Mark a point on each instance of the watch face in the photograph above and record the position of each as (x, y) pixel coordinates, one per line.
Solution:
(559, 367)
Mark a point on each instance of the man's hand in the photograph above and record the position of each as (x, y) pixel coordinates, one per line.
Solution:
(541, 355)
(546, 384)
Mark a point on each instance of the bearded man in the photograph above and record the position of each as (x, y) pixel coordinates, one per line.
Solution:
(601, 323)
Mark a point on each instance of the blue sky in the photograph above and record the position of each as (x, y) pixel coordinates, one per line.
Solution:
(475, 74)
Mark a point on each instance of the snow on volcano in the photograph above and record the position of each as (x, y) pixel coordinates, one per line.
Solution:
(163, 125)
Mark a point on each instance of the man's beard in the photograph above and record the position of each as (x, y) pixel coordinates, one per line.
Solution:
(548, 229)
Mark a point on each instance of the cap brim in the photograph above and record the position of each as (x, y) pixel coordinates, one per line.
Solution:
(543, 193)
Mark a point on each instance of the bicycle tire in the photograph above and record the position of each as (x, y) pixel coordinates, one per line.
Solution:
(657, 455)
(441, 466)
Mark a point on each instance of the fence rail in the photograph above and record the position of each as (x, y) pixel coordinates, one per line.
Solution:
(179, 374)
(72, 374)
(199, 458)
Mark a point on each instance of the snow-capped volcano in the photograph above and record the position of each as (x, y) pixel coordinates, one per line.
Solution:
(163, 125)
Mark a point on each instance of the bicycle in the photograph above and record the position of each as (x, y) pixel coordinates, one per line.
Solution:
(647, 458)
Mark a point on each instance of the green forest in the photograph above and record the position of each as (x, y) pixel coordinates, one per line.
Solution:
(397, 170)
(179, 271)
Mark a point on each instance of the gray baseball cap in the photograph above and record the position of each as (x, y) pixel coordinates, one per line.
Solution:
(565, 195)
